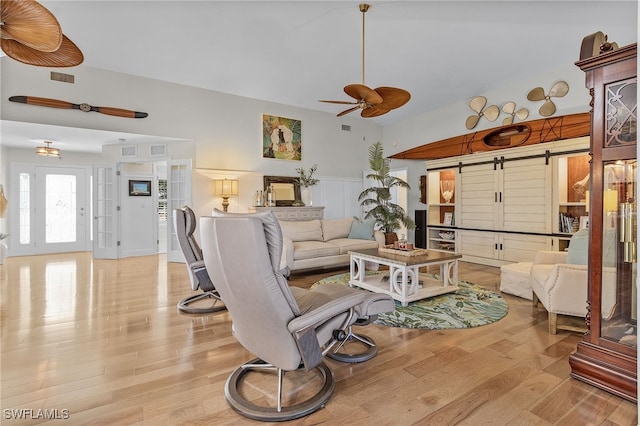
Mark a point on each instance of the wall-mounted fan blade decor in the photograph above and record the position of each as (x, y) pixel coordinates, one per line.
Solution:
(558, 90)
(510, 108)
(55, 103)
(30, 34)
(477, 104)
(372, 102)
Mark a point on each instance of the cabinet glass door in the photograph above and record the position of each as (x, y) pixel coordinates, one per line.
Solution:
(619, 256)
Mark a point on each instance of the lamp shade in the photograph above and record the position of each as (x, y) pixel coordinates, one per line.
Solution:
(225, 187)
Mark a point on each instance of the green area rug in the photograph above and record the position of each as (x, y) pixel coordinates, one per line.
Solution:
(470, 306)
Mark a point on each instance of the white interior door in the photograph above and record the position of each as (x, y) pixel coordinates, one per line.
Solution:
(105, 211)
(178, 195)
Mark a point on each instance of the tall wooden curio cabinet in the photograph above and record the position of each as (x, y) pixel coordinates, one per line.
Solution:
(607, 355)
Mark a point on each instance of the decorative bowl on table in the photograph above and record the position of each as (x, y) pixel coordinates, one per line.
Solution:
(447, 235)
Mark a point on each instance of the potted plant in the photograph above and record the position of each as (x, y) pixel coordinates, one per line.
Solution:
(306, 181)
(389, 216)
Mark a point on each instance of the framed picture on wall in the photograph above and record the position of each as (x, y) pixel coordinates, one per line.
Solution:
(281, 138)
(140, 188)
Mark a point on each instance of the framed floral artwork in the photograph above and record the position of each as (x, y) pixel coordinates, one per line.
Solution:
(281, 138)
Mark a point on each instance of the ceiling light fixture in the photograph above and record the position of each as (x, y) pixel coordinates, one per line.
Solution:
(47, 151)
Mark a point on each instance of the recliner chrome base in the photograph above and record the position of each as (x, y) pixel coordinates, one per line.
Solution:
(370, 347)
(279, 413)
(218, 305)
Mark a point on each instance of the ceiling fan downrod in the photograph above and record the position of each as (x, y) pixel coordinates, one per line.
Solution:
(363, 8)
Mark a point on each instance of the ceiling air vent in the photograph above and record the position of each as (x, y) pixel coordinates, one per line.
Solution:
(65, 78)
(346, 127)
(158, 150)
(128, 151)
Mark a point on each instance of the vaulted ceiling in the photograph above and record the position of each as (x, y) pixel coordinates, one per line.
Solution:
(298, 52)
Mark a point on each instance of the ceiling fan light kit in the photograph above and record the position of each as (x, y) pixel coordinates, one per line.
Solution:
(30, 34)
(372, 102)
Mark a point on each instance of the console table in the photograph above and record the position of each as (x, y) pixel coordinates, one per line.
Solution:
(294, 213)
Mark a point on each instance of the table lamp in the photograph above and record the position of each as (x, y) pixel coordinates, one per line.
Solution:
(225, 188)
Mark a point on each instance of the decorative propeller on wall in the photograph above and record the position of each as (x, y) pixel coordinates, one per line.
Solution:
(29, 33)
(510, 108)
(477, 104)
(55, 103)
(372, 102)
(558, 90)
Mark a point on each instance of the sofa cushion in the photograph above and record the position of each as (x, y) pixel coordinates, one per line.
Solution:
(304, 230)
(578, 252)
(313, 249)
(362, 229)
(335, 228)
(346, 244)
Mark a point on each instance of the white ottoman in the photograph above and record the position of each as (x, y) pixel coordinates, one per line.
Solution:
(515, 279)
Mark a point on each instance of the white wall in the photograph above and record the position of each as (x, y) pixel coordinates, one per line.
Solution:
(226, 129)
(222, 133)
(138, 232)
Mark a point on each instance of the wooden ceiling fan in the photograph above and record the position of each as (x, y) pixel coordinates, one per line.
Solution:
(29, 33)
(372, 102)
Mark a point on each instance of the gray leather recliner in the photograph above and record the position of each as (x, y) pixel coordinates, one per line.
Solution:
(288, 328)
(184, 221)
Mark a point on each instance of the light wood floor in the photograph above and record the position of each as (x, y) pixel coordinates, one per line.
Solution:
(101, 342)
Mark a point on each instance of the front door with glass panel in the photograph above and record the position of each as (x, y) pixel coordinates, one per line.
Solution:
(51, 210)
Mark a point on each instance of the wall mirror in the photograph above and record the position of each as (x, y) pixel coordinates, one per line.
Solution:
(287, 189)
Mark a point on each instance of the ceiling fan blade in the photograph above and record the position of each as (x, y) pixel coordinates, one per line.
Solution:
(31, 24)
(374, 111)
(472, 121)
(68, 55)
(393, 97)
(347, 111)
(339, 102)
(55, 103)
(492, 113)
(508, 120)
(361, 92)
(536, 94)
(559, 89)
(478, 103)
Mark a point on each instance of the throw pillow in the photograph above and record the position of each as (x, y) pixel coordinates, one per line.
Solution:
(362, 229)
(579, 248)
(335, 228)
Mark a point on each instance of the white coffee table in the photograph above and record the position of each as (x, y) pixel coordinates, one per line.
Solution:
(403, 283)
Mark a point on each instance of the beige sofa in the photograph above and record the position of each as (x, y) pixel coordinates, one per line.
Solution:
(326, 243)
